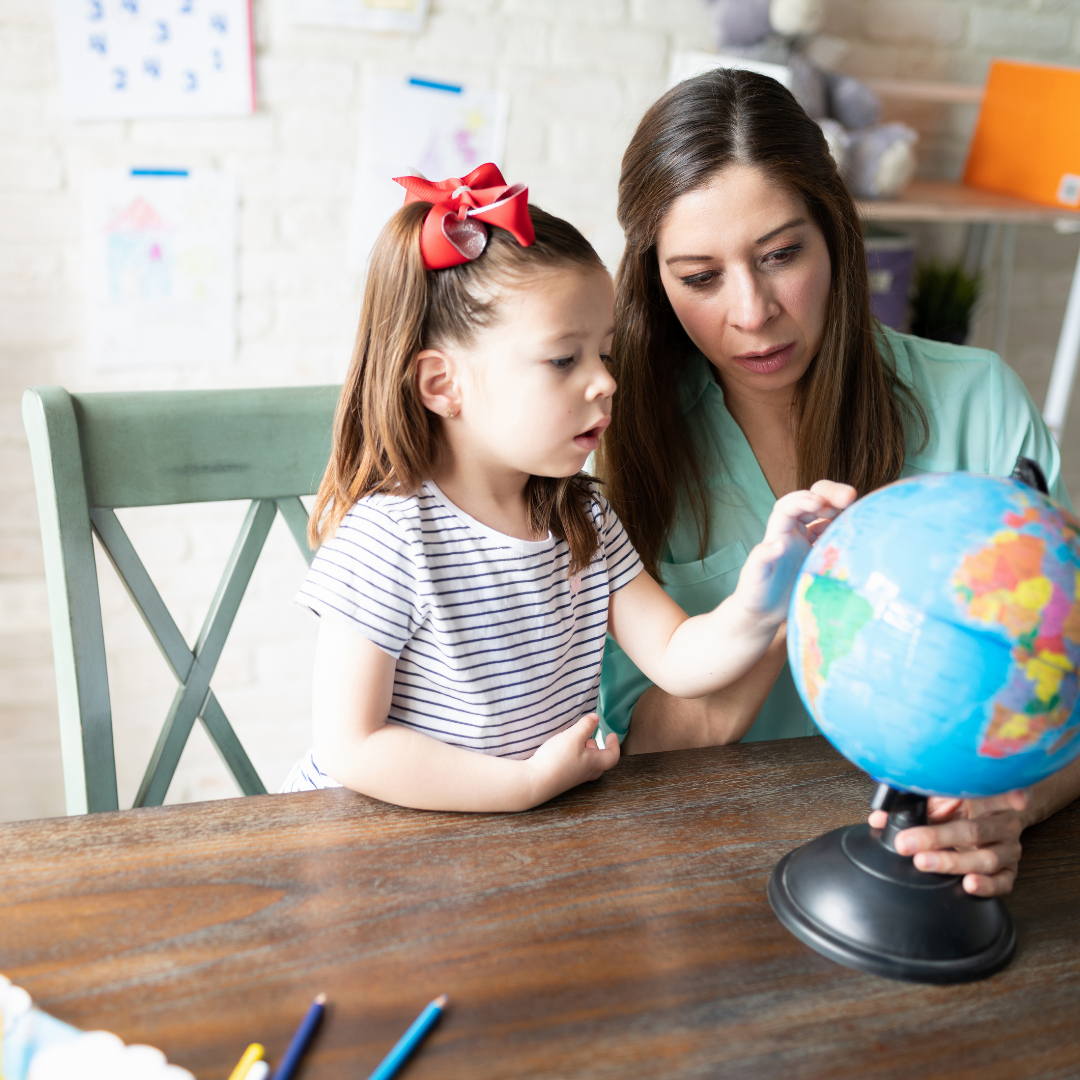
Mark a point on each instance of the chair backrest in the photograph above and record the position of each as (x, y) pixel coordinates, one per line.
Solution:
(95, 453)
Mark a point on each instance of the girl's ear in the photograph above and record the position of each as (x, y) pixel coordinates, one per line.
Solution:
(436, 383)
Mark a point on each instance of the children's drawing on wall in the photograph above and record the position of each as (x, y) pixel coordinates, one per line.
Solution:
(160, 268)
(422, 127)
(134, 58)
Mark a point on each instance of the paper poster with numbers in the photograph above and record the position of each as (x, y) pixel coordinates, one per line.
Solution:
(123, 59)
(159, 252)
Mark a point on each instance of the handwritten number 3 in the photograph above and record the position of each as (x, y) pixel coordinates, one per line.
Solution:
(191, 81)
(120, 78)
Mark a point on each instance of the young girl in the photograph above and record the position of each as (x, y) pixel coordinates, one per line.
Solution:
(469, 570)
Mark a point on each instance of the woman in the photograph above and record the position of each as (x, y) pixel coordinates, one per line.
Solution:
(749, 364)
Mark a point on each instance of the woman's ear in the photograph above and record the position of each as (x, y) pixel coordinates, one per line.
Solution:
(436, 383)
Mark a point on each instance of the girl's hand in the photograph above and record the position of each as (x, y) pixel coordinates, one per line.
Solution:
(570, 758)
(979, 838)
(797, 519)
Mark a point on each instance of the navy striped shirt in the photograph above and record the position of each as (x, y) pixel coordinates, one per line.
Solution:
(496, 648)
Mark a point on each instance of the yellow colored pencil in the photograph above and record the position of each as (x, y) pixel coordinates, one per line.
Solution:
(252, 1054)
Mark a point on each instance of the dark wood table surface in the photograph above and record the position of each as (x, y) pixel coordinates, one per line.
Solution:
(620, 931)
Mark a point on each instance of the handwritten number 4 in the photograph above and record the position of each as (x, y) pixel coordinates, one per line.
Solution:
(219, 23)
(187, 7)
(130, 6)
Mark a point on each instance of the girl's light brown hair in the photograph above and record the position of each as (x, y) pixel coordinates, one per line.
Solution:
(385, 440)
(852, 415)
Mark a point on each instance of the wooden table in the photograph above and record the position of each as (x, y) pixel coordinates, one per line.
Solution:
(620, 931)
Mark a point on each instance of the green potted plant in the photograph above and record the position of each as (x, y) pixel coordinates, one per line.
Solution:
(943, 300)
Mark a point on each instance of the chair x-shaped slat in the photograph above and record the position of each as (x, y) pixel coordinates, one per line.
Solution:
(194, 669)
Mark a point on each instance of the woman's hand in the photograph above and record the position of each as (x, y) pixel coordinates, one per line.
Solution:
(570, 758)
(979, 838)
(796, 521)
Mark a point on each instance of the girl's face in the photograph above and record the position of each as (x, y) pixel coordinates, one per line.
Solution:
(532, 392)
(748, 274)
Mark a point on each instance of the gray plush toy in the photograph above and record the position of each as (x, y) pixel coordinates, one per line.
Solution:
(877, 160)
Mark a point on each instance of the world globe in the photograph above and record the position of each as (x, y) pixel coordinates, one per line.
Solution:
(934, 635)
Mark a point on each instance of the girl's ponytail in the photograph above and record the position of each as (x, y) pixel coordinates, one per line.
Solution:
(384, 438)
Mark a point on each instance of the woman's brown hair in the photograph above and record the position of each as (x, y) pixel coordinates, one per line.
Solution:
(385, 440)
(852, 414)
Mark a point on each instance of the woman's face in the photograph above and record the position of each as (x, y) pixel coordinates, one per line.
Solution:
(748, 273)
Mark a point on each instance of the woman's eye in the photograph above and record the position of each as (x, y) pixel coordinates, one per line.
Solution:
(784, 255)
(606, 357)
(562, 363)
(697, 280)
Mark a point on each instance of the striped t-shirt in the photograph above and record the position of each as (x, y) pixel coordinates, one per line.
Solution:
(496, 648)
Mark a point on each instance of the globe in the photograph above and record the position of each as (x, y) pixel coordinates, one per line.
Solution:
(934, 635)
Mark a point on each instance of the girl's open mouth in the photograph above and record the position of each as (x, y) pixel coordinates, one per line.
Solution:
(590, 440)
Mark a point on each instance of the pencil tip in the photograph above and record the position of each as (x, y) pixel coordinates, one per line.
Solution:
(320, 999)
(441, 1001)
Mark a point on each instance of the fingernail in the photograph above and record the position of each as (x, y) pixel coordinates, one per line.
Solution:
(926, 860)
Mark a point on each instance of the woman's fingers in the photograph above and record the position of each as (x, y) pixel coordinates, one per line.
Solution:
(961, 833)
(990, 884)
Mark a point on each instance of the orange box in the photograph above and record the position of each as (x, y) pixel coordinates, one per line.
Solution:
(1027, 140)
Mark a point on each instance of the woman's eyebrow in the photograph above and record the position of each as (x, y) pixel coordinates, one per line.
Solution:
(787, 225)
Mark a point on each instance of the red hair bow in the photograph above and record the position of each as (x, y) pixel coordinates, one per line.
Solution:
(453, 232)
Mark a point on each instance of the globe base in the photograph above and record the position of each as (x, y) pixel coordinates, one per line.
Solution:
(854, 899)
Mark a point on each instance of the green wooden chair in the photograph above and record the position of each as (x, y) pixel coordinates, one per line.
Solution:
(94, 453)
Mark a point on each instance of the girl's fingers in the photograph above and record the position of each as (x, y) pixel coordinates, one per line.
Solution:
(839, 495)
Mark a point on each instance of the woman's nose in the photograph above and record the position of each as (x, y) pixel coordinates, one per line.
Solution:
(752, 305)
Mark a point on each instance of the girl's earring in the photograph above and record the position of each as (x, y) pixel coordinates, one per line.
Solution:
(450, 414)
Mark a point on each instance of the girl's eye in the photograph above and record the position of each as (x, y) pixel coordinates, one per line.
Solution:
(695, 281)
(606, 357)
(562, 362)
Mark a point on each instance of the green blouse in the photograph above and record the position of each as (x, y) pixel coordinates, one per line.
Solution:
(981, 419)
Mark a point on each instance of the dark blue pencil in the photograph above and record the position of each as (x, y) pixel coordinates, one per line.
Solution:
(410, 1040)
(301, 1039)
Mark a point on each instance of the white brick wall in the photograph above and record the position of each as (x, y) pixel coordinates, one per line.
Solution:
(580, 72)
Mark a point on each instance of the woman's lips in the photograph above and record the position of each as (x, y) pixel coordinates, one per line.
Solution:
(766, 363)
(590, 440)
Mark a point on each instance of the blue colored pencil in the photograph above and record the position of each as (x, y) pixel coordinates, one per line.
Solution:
(410, 1040)
(301, 1039)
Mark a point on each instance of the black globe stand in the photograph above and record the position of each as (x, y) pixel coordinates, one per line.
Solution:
(851, 896)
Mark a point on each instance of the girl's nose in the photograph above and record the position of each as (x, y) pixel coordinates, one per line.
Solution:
(752, 304)
(601, 384)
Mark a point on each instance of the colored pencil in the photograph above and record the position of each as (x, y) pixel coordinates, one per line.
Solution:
(410, 1040)
(259, 1071)
(301, 1039)
(243, 1067)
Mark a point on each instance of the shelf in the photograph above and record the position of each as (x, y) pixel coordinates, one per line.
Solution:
(943, 93)
(937, 200)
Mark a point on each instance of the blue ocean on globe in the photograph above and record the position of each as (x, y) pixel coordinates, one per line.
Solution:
(934, 634)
